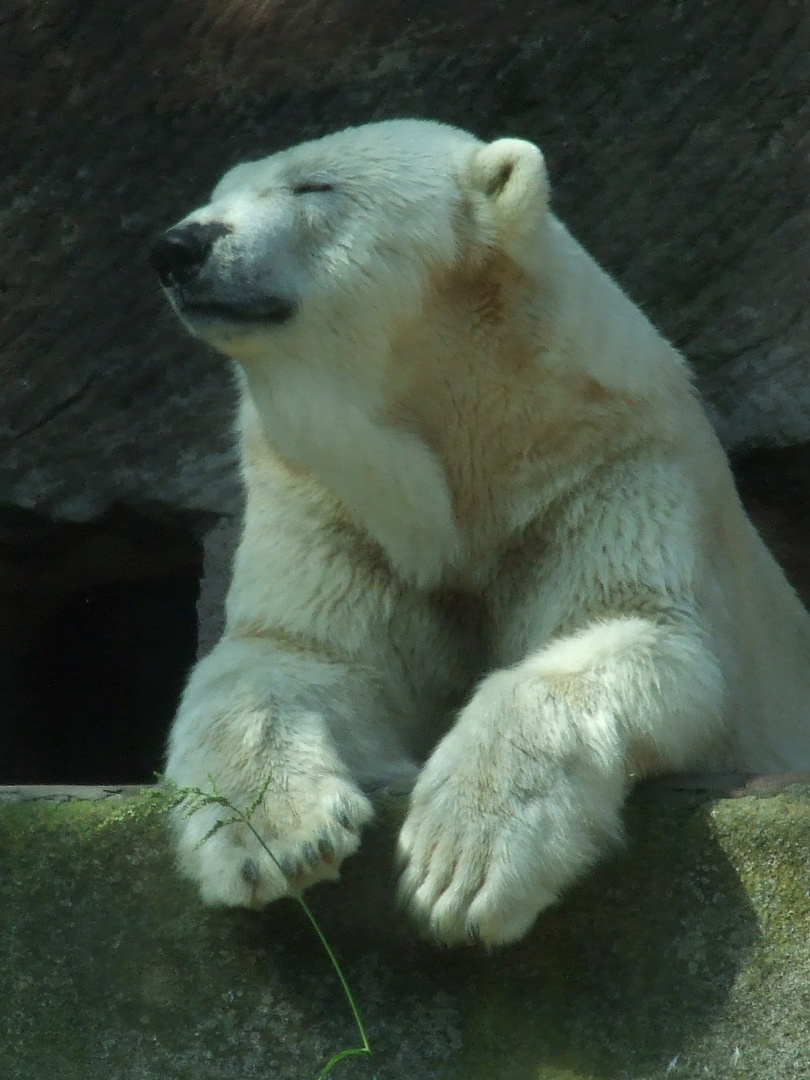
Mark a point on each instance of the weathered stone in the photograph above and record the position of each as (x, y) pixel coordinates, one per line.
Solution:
(685, 956)
(678, 140)
(219, 546)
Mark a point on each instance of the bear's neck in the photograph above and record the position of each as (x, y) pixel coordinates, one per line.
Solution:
(389, 480)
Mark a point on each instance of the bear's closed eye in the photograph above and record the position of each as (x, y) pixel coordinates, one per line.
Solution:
(311, 187)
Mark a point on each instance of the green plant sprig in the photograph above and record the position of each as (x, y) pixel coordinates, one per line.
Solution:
(191, 799)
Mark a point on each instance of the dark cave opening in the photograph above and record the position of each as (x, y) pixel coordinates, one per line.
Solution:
(98, 632)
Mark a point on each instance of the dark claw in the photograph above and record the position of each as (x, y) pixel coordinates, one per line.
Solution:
(289, 866)
(311, 856)
(250, 872)
(326, 850)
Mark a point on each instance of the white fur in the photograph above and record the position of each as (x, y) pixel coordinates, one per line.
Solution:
(478, 480)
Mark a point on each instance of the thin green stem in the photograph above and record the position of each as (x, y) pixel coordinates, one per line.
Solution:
(195, 799)
(327, 947)
(339, 1057)
(366, 1048)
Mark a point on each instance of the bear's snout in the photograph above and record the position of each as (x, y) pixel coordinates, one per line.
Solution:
(178, 254)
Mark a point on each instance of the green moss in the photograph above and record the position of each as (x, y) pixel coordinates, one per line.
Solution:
(767, 839)
(685, 955)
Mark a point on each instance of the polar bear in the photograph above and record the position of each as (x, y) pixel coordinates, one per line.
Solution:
(492, 549)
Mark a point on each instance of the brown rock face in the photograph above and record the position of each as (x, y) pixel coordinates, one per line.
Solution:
(684, 957)
(677, 136)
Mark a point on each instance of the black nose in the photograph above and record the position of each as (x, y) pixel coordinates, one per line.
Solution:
(178, 254)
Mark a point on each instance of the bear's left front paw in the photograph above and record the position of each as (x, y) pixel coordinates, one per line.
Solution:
(485, 852)
(463, 881)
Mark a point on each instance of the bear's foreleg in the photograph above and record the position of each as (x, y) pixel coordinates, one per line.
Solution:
(525, 791)
(256, 717)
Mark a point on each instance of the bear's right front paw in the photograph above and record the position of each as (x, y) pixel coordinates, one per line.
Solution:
(309, 829)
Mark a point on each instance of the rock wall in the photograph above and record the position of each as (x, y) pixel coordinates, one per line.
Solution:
(678, 139)
(685, 957)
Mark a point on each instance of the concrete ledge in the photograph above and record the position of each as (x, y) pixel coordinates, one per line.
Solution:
(686, 956)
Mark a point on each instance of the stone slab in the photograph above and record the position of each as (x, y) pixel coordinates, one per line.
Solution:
(687, 955)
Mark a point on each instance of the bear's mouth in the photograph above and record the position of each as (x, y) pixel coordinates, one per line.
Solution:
(273, 309)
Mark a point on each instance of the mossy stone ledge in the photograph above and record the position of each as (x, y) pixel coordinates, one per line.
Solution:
(684, 956)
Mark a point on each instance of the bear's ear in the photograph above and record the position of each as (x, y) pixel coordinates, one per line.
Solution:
(510, 175)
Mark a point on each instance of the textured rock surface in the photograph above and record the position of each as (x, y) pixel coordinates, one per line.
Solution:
(687, 956)
(678, 138)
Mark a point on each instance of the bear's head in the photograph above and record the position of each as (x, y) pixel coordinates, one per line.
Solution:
(336, 240)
